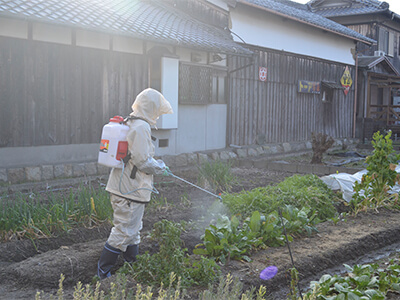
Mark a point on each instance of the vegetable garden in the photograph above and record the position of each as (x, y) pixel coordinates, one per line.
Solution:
(196, 247)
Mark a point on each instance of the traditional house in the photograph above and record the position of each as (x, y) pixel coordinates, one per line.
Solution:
(309, 62)
(378, 101)
(67, 66)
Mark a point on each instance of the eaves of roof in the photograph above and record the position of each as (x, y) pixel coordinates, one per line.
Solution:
(306, 17)
(341, 12)
(333, 85)
(148, 20)
(363, 7)
(369, 62)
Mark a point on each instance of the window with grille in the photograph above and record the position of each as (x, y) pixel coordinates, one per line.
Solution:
(201, 84)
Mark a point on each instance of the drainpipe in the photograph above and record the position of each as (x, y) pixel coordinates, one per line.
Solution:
(365, 73)
(355, 97)
(228, 106)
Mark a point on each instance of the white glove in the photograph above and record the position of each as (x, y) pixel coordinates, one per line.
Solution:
(152, 166)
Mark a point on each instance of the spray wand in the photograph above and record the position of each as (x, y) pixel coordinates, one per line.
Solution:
(169, 173)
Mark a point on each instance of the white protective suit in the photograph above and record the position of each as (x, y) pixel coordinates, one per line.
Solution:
(128, 195)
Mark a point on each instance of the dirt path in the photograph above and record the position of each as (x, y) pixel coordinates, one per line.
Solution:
(23, 270)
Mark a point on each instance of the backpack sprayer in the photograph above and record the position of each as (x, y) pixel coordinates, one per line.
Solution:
(114, 148)
(114, 144)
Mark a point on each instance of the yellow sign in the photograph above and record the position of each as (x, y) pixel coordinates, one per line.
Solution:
(305, 86)
(346, 80)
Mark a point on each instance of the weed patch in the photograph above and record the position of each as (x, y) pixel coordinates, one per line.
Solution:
(218, 175)
(43, 215)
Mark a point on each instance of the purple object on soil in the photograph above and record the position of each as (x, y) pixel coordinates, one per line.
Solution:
(268, 273)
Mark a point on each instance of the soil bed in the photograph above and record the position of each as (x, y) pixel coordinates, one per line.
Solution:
(25, 269)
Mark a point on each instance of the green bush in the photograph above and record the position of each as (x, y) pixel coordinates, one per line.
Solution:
(299, 191)
(381, 176)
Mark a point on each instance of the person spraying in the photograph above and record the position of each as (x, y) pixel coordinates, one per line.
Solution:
(130, 187)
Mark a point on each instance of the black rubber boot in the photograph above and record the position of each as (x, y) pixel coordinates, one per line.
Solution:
(130, 253)
(107, 260)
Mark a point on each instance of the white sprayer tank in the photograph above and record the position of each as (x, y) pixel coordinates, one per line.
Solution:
(114, 144)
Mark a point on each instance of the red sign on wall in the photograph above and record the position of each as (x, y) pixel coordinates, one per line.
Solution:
(262, 73)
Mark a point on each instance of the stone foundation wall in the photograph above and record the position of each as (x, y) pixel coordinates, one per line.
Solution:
(240, 155)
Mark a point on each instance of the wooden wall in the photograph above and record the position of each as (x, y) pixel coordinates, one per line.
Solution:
(275, 109)
(54, 94)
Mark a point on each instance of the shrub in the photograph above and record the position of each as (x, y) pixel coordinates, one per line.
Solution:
(381, 176)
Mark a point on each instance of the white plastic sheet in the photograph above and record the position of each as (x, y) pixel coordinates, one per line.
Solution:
(345, 183)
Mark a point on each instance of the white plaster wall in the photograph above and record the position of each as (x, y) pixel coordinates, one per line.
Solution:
(201, 127)
(128, 45)
(50, 33)
(191, 133)
(186, 55)
(216, 126)
(264, 29)
(169, 88)
(92, 39)
(13, 28)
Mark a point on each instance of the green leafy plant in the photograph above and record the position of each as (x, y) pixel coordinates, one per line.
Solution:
(338, 217)
(228, 239)
(381, 176)
(225, 241)
(218, 175)
(155, 269)
(361, 282)
(298, 191)
(299, 220)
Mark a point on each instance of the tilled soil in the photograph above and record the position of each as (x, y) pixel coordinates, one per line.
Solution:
(26, 268)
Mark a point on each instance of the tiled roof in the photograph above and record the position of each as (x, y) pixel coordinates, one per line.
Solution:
(371, 61)
(150, 20)
(300, 13)
(357, 7)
